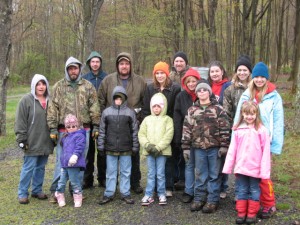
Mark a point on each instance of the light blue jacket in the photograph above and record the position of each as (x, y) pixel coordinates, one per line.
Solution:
(271, 113)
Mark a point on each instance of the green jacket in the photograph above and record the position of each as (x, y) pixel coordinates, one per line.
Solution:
(158, 130)
(135, 90)
(31, 124)
(80, 100)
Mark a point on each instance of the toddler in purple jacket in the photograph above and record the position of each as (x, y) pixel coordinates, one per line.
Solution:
(72, 161)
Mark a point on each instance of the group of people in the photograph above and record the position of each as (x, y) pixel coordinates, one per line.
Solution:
(193, 133)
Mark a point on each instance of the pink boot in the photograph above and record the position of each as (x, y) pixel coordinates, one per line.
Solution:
(77, 200)
(60, 199)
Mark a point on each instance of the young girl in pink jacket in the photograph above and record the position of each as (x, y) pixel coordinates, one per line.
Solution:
(249, 154)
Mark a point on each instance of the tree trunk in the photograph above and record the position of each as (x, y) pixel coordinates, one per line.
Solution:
(5, 45)
(91, 9)
(213, 50)
(296, 66)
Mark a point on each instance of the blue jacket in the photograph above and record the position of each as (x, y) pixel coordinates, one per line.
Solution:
(271, 113)
(73, 144)
(95, 80)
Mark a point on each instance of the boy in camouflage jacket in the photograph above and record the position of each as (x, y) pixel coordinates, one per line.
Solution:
(205, 138)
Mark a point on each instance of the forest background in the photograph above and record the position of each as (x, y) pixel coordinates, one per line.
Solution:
(38, 36)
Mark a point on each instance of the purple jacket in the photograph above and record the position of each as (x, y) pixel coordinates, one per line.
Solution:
(73, 144)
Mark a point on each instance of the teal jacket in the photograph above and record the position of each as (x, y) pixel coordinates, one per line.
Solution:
(158, 130)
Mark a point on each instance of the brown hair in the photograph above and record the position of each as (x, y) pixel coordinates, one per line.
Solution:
(218, 64)
(250, 107)
(165, 84)
(253, 90)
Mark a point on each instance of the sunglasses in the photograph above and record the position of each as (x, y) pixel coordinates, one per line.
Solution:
(69, 127)
(202, 89)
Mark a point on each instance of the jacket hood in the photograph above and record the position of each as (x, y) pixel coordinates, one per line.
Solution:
(128, 56)
(72, 60)
(159, 99)
(36, 78)
(94, 54)
(79, 131)
(119, 90)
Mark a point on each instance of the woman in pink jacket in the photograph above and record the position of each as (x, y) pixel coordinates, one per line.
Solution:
(249, 154)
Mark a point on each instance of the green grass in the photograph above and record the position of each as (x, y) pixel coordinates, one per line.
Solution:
(285, 173)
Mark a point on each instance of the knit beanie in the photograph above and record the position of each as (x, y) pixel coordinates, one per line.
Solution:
(182, 55)
(203, 85)
(162, 66)
(244, 60)
(120, 95)
(157, 100)
(71, 120)
(260, 69)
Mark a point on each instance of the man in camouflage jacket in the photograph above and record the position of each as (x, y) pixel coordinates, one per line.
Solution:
(77, 96)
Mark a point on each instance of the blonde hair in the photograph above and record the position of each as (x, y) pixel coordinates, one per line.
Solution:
(236, 80)
(253, 90)
(250, 107)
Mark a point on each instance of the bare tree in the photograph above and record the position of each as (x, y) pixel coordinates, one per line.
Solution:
(296, 67)
(91, 9)
(5, 27)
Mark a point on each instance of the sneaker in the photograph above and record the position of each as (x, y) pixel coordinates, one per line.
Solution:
(147, 200)
(128, 199)
(23, 200)
(186, 198)
(197, 206)
(268, 212)
(162, 200)
(223, 195)
(52, 198)
(40, 196)
(210, 207)
(169, 193)
(105, 200)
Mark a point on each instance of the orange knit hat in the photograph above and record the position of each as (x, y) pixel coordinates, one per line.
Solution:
(162, 66)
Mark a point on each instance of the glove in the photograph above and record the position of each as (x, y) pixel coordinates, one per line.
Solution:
(186, 155)
(156, 152)
(23, 145)
(149, 148)
(222, 151)
(73, 160)
(95, 133)
(54, 135)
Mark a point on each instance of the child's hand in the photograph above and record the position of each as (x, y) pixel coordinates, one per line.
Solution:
(149, 148)
(73, 160)
(222, 151)
(186, 155)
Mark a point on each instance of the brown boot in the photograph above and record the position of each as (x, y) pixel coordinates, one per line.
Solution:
(253, 208)
(241, 208)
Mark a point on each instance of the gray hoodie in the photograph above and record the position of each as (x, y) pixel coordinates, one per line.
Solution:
(31, 124)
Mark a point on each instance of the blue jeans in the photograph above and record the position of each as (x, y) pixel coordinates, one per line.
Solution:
(247, 188)
(33, 169)
(57, 168)
(71, 174)
(190, 174)
(156, 168)
(223, 176)
(112, 175)
(207, 184)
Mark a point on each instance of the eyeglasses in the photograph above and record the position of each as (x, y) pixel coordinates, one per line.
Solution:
(69, 127)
